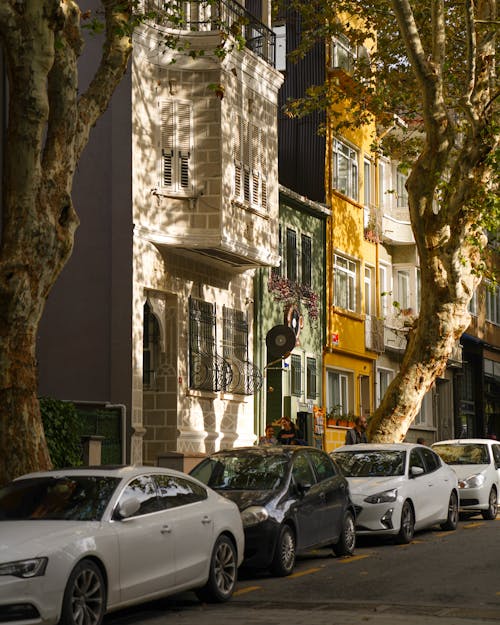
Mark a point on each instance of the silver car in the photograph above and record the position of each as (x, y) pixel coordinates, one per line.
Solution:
(476, 462)
(77, 543)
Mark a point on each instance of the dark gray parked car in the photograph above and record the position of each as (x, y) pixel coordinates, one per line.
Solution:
(291, 499)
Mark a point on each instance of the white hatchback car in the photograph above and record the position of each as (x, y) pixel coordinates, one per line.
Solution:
(398, 488)
(476, 462)
(77, 543)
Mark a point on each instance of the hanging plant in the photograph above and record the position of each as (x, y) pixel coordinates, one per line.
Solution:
(288, 292)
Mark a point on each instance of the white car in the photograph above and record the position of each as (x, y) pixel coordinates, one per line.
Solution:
(77, 543)
(398, 488)
(476, 462)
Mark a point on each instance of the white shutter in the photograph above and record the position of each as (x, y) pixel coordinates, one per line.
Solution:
(255, 162)
(246, 161)
(184, 143)
(167, 142)
(237, 156)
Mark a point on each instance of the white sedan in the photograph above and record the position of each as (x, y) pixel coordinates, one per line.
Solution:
(398, 488)
(77, 543)
(476, 462)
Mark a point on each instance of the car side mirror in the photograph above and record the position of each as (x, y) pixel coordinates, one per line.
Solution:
(127, 508)
(416, 471)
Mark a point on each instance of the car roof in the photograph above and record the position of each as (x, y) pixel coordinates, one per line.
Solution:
(264, 450)
(467, 441)
(378, 447)
(118, 471)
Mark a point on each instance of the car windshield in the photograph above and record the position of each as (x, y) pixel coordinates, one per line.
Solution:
(243, 472)
(377, 463)
(467, 453)
(75, 498)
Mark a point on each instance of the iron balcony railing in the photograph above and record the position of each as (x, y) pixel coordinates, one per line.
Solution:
(224, 15)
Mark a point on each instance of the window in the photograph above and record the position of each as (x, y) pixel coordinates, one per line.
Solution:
(367, 183)
(323, 466)
(345, 169)
(176, 146)
(382, 186)
(250, 184)
(302, 472)
(344, 283)
(203, 366)
(150, 350)
(343, 55)
(276, 271)
(296, 375)
(235, 349)
(142, 488)
(404, 289)
(337, 392)
(291, 254)
(311, 378)
(493, 304)
(368, 291)
(431, 460)
(385, 289)
(384, 377)
(280, 32)
(401, 192)
(175, 491)
(424, 415)
(416, 459)
(306, 273)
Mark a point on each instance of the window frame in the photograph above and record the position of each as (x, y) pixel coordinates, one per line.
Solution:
(176, 137)
(345, 283)
(296, 375)
(350, 155)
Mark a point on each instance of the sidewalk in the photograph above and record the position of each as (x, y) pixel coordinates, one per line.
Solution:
(246, 613)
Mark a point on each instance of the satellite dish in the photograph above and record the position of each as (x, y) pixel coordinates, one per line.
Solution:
(280, 340)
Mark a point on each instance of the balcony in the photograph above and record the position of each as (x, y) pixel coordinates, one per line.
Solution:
(226, 16)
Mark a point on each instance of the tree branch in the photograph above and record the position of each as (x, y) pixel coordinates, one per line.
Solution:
(409, 32)
(438, 34)
(63, 92)
(471, 60)
(117, 48)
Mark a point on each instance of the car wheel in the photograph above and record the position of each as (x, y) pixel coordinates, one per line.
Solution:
(223, 573)
(452, 519)
(284, 555)
(407, 529)
(84, 601)
(491, 513)
(347, 541)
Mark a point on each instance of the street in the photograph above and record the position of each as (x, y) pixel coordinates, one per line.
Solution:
(441, 578)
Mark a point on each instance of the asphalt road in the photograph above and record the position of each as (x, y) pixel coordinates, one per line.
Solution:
(441, 578)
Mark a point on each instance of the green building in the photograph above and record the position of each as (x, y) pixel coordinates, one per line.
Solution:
(293, 295)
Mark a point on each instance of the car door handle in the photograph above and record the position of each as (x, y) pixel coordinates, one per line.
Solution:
(166, 529)
(206, 519)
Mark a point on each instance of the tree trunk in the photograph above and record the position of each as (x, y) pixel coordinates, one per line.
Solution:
(47, 130)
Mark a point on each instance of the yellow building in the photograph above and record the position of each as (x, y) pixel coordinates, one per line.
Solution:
(354, 327)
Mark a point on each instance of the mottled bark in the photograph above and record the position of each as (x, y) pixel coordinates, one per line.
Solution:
(444, 192)
(48, 127)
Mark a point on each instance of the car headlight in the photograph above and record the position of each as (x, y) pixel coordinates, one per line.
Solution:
(254, 515)
(473, 481)
(384, 497)
(34, 567)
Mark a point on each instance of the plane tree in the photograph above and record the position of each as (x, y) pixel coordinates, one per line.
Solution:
(48, 126)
